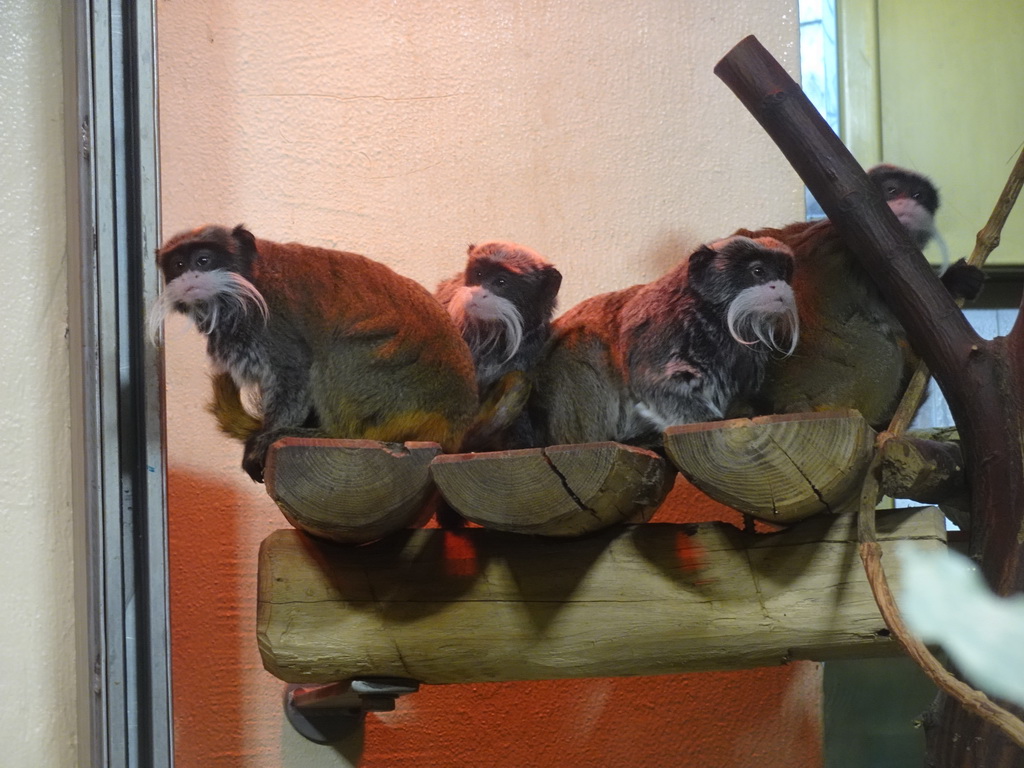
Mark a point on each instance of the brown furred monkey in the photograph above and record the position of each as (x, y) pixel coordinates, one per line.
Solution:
(335, 344)
(853, 352)
(625, 365)
(502, 303)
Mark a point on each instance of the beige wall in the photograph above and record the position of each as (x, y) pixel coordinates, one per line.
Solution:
(37, 662)
(963, 125)
(957, 119)
(594, 132)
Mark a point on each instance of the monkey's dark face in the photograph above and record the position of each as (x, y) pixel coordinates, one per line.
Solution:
(206, 275)
(752, 279)
(531, 292)
(507, 291)
(720, 271)
(197, 261)
(912, 197)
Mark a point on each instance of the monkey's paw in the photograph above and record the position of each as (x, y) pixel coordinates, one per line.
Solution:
(963, 280)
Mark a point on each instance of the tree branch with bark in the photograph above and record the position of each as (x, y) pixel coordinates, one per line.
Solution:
(983, 381)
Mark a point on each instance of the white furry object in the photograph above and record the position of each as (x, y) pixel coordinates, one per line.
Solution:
(486, 320)
(765, 312)
(195, 290)
(945, 600)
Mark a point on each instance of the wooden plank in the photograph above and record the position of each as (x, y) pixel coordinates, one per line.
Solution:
(471, 605)
(561, 490)
(349, 491)
(780, 468)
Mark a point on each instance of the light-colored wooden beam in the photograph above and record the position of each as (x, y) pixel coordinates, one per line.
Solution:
(561, 490)
(349, 491)
(471, 605)
(780, 468)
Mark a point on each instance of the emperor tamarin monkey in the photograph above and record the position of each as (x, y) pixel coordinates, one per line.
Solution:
(502, 303)
(853, 352)
(625, 365)
(335, 344)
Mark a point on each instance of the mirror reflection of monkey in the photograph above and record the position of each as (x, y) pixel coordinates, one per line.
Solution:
(335, 344)
(853, 352)
(502, 303)
(625, 365)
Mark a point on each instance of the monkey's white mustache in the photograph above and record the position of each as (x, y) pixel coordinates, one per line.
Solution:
(765, 312)
(914, 217)
(486, 321)
(206, 295)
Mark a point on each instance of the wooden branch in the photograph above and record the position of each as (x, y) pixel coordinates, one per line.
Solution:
(470, 605)
(926, 471)
(777, 468)
(871, 554)
(561, 490)
(852, 202)
(971, 699)
(349, 491)
(983, 386)
(989, 236)
(983, 381)
(986, 242)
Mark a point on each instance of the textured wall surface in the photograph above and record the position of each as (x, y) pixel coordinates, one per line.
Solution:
(594, 132)
(37, 677)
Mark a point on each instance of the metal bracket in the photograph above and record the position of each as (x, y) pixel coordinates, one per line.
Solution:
(328, 713)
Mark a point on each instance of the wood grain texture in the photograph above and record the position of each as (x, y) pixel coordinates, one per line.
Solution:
(562, 490)
(349, 491)
(776, 468)
(477, 605)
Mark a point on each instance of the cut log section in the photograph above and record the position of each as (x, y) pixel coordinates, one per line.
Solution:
(474, 605)
(561, 490)
(777, 468)
(349, 491)
(928, 472)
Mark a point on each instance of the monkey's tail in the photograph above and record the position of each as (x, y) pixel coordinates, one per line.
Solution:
(227, 407)
(500, 409)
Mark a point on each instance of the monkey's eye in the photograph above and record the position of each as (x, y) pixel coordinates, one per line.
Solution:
(179, 265)
(758, 271)
(891, 191)
(916, 195)
(202, 261)
(500, 281)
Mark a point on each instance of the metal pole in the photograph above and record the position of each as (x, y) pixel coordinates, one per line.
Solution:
(117, 431)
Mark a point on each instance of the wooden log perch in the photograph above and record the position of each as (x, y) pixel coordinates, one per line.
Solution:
(927, 471)
(777, 468)
(562, 490)
(474, 605)
(349, 491)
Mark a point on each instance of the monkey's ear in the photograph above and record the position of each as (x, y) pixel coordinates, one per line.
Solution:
(701, 259)
(552, 281)
(469, 248)
(244, 238)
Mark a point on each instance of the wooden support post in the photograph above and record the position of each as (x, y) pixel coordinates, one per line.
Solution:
(472, 605)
